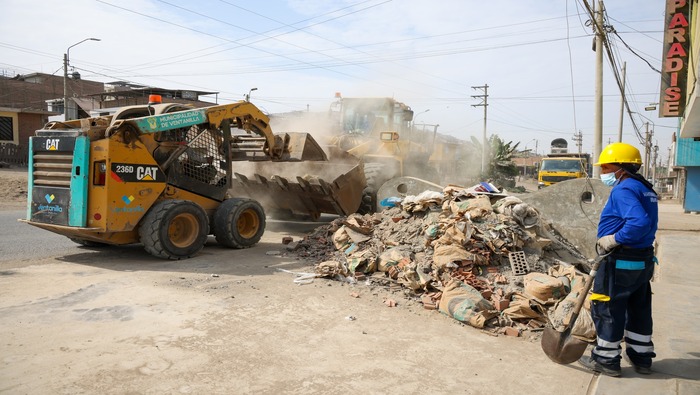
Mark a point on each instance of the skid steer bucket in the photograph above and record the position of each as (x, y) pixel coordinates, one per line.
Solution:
(301, 183)
(305, 189)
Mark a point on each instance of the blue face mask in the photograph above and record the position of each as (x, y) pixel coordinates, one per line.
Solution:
(608, 178)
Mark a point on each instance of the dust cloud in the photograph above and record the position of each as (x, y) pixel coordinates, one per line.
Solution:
(430, 155)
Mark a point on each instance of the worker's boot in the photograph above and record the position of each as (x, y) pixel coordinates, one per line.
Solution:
(591, 364)
(638, 368)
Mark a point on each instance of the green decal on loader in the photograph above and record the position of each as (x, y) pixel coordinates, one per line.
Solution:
(160, 123)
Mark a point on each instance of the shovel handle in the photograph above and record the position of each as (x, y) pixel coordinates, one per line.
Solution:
(584, 292)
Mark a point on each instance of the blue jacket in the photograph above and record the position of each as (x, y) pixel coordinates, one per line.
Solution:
(631, 214)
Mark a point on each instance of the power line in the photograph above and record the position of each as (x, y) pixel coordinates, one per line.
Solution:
(635, 53)
(571, 67)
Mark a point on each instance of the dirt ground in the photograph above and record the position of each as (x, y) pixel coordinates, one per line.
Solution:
(13, 193)
(115, 320)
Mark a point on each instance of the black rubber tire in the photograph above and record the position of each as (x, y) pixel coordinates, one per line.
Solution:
(239, 223)
(374, 174)
(170, 220)
(87, 243)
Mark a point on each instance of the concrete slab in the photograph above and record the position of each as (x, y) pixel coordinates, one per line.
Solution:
(635, 386)
(573, 207)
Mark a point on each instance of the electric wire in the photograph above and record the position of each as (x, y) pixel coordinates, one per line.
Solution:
(602, 30)
(308, 65)
(571, 67)
(574, 97)
(265, 32)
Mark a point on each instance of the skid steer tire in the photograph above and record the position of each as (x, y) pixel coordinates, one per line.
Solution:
(239, 223)
(375, 178)
(87, 243)
(174, 229)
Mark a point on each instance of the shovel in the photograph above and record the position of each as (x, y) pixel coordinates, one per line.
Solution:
(561, 347)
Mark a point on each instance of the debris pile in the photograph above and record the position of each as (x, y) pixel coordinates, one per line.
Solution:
(486, 259)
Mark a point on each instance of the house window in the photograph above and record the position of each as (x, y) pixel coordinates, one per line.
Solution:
(6, 130)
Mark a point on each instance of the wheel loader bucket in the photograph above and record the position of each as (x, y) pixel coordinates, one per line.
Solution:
(306, 188)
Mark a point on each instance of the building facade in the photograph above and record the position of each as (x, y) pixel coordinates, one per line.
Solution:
(28, 102)
(679, 95)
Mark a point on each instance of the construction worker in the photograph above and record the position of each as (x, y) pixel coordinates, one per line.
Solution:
(621, 297)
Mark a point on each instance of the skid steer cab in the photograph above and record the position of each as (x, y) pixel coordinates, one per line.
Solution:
(159, 175)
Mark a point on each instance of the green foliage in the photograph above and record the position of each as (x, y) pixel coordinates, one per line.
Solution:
(501, 168)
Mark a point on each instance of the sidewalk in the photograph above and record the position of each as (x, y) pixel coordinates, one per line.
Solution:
(676, 311)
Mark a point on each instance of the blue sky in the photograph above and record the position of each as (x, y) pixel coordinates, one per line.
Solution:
(537, 62)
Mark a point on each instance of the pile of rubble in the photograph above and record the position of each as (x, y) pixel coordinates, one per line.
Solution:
(485, 259)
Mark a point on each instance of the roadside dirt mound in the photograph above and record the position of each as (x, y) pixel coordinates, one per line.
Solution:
(13, 193)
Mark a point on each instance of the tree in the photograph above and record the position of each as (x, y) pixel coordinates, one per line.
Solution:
(501, 168)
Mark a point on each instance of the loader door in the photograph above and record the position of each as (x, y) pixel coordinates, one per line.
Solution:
(58, 179)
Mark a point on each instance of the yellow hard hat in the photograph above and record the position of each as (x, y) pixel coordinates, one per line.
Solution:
(619, 153)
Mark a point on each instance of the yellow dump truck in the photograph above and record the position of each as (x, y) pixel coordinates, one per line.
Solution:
(561, 167)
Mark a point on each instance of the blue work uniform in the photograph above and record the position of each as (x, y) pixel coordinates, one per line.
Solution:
(621, 299)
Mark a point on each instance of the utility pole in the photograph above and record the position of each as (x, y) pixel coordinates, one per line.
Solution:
(66, 60)
(653, 169)
(578, 138)
(598, 116)
(484, 103)
(647, 148)
(66, 113)
(668, 164)
(622, 102)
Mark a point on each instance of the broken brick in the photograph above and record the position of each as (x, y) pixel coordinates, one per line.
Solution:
(486, 294)
(393, 272)
(502, 304)
(428, 303)
(510, 331)
(286, 240)
(390, 302)
(535, 324)
(404, 262)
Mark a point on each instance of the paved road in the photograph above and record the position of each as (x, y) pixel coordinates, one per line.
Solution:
(22, 242)
(19, 241)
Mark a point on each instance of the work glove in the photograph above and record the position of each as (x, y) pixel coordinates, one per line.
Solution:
(606, 244)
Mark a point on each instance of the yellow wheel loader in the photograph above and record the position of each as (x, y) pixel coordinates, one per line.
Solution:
(378, 131)
(167, 176)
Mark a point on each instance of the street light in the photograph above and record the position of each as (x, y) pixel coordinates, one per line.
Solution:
(414, 122)
(536, 144)
(247, 97)
(416, 116)
(66, 60)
